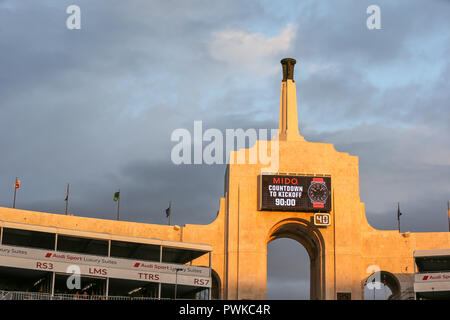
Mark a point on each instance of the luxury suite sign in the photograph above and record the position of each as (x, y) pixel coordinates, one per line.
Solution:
(294, 193)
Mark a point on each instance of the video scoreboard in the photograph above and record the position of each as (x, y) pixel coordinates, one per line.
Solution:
(294, 193)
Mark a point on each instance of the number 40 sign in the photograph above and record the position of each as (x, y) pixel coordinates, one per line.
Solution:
(322, 219)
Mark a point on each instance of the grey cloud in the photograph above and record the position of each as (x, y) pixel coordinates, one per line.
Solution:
(399, 165)
(96, 107)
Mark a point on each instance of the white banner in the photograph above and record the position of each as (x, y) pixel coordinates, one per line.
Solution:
(432, 277)
(76, 258)
(37, 259)
(431, 286)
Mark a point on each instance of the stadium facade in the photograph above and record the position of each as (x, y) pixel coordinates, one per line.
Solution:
(44, 259)
(325, 215)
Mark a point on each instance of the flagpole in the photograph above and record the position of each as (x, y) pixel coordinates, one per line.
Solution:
(15, 192)
(448, 214)
(67, 198)
(170, 210)
(118, 207)
(398, 215)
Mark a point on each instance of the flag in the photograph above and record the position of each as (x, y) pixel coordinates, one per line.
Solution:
(398, 211)
(67, 193)
(17, 185)
(116, 196)
(168, 211)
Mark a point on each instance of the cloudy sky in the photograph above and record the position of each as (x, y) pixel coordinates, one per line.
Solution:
(96, 107)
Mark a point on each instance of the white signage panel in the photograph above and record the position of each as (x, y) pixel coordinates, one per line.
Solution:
(431, 286)
(432, 277)
(75, 258)
(52, 261)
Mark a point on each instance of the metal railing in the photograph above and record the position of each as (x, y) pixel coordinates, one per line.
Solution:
(4, 295)
(20, 295)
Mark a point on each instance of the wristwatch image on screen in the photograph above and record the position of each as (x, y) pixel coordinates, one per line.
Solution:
(318, 193)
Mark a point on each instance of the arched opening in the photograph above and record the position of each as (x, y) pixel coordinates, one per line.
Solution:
(288, 270)
(382, 285)
(308, 235)
(215, 286)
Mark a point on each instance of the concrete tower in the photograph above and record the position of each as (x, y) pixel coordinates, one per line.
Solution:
(288, 104)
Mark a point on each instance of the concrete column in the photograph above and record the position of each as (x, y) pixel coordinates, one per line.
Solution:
(288, 104)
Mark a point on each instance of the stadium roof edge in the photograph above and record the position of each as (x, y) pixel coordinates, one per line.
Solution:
(431, 253)
(107, 236)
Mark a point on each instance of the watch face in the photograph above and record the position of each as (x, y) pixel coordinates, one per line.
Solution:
(318, 192)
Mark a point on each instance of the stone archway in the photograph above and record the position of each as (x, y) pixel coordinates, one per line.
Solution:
(388, 279)
(310, 237)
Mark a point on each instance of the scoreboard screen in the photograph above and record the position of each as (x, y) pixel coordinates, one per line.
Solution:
(294, 193)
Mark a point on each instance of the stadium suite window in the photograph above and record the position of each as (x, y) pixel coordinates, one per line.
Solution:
(82, 245)
(134, 250)
(28, 238)
(433, 264)
(181, 256)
